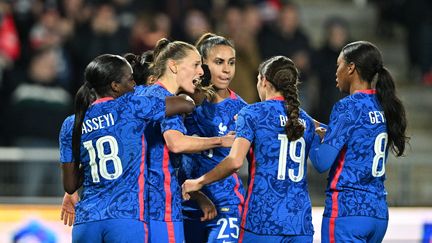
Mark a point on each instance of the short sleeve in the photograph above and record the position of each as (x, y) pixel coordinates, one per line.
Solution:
(340, 125)
(245, 124)
(148, 107)
(65, 140)
(173, 123)
(191, 125)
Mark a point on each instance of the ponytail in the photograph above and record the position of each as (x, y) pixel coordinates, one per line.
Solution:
(200, 44)
(99, 74)
(281, 72)
(368, 60)
(294, 128)
(165, 50)
(394, 111)
(160, 46)
(83, 99)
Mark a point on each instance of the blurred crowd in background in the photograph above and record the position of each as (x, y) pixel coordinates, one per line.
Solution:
(45, 45)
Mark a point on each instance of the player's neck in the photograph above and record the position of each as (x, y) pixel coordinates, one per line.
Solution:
(271, 95)
(221, 95)
(169, 84)
(359, 85)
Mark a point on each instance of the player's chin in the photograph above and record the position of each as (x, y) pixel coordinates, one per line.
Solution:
(221, 85)
(190, 89)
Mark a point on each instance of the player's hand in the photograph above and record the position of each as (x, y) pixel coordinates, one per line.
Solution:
(190, 186)
(228, 139)
(68, 208)
(321, 131)
(187, 97)
(206, 205)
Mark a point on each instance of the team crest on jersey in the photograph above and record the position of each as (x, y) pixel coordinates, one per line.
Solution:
(222, 128)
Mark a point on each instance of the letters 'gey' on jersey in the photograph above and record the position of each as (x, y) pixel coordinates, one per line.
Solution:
(356, 180)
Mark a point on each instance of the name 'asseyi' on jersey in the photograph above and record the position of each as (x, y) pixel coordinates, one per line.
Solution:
(284, 119)
(96, 123)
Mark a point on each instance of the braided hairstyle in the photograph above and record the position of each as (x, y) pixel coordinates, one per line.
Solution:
(282, 73)
(98, 75)
(369, 64)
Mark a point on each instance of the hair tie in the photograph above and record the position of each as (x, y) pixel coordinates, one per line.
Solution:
(380, 68)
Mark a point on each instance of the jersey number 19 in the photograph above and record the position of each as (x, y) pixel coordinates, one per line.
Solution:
(295, 157)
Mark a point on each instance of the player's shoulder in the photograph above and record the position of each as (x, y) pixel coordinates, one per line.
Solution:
(68, 121)
(68, 124)
(236, 98)
(141, 89)
(252, 108)
(157, 90)
(346, 105)
(304, 115)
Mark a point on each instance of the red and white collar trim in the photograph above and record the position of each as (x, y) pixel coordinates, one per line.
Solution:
(101, 100)
(280, 98)
(232, 94)
(161, 84)
(366, 91)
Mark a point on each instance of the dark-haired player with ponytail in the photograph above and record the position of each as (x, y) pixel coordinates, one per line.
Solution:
(214, 117)
(102, 148)
(363, 127)
(278, 135)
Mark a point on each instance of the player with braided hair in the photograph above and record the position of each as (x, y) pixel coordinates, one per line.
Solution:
(278, 135)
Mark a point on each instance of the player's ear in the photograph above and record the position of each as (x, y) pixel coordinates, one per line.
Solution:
(351, 68)
(172, 65)
(115, 86)
(265, 82)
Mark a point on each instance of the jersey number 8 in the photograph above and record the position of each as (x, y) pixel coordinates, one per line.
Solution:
(104, 158)
(379, 148)
(296, 158)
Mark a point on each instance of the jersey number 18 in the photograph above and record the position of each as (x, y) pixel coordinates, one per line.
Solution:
(104, 158)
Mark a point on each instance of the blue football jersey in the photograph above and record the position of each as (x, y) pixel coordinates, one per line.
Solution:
(277, 198)
(356, 179)
(112, 153)
(164, 196)
(213, 120)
